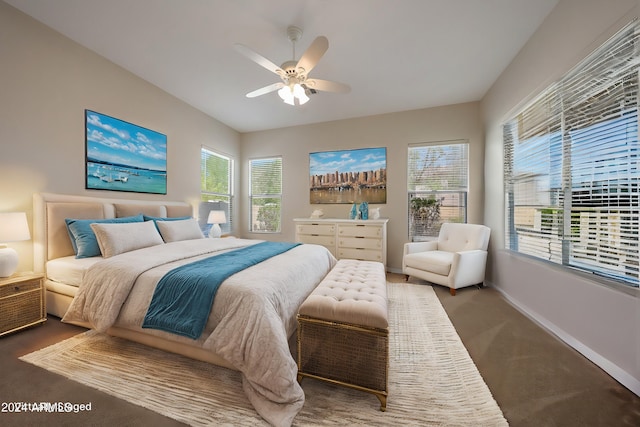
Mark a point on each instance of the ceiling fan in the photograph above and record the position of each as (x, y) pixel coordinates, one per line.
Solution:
(296, 86)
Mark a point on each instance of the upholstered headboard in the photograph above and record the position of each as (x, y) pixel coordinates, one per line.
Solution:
(51, 239)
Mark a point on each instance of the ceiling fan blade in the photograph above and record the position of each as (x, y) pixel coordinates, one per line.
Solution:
(265, 90)
(313, 54)
(327, 86)
(258, 59)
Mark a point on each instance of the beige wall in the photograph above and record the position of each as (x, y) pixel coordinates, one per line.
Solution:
(601, 322)
(46, 82)
(393, 131)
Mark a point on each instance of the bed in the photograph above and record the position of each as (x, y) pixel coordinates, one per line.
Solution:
(253, 313)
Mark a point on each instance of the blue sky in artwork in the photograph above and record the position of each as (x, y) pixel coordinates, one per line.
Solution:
(347, 161)
(118, 142)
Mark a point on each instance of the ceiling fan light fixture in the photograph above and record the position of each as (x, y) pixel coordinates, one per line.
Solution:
(298, 92)
(290, 93)
(286, 94)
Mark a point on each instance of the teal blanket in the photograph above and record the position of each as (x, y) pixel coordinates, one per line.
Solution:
(183, 297)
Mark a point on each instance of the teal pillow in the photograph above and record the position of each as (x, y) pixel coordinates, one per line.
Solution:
(83, 239)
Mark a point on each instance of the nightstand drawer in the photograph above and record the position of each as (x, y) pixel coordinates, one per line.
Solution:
(21, 302)
(18, 288)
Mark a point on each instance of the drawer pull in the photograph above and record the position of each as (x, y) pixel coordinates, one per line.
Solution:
(16, 288)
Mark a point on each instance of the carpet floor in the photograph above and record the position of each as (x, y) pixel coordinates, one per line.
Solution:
(432, 379)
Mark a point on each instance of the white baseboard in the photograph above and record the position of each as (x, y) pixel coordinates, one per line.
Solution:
(395, 270)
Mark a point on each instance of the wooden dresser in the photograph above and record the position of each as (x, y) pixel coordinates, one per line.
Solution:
(346, 238)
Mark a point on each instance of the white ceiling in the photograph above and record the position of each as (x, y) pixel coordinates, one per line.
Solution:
(396, 55)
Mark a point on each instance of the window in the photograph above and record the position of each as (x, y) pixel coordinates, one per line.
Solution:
(216, 189)
(265, 177)
(571, 167)
(437, 180)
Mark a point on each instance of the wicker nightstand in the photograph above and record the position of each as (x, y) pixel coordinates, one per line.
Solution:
(21, 302)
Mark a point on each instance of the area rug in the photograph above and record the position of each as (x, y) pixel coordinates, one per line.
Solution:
(432, 379)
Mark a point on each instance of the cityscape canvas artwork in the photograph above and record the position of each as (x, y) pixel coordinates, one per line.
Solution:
(348, 176)
(121, 156)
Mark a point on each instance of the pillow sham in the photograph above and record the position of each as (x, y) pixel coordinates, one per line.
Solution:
(83, 238)
(164, 218)
(173, 231)
(115, 239)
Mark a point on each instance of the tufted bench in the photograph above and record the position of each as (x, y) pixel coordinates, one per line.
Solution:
(343, 329)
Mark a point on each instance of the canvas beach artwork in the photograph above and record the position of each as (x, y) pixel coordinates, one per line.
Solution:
(348, 176)
(121, 156)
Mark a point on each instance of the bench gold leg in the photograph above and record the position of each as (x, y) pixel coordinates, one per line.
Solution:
(383, 402)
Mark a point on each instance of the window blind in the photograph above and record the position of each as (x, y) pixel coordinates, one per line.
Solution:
(571, 166)
(266, 194)
(437, 183)
(216, 190)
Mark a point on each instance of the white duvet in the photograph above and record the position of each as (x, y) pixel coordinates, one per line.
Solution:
(253, 314)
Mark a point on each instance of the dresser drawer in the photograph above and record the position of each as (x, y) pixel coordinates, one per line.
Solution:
(359, 242)
(317, 229)
(328, 241)
(356, 230)
(360, 254)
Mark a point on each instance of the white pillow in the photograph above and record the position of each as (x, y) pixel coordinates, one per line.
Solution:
(173, 231)
(115, 239)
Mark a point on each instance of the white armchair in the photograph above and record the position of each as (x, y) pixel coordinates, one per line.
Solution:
(457, 259)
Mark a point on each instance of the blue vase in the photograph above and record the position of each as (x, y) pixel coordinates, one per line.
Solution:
(354, 212)
(364, 210)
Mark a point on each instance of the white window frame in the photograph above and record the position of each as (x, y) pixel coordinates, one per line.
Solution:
(257, 215)
(437, 185)
(572, 173)
(216, 200)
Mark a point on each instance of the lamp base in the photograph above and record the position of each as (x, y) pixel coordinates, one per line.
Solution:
(8, 261)
(215, 231)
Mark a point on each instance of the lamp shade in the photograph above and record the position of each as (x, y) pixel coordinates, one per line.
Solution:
(217, 217)
(13, 227)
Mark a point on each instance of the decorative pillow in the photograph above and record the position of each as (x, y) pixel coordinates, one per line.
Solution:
(164, 218)
(173, 231)
(115, 239)
(84, 240)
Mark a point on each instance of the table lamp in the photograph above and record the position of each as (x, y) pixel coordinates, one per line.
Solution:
(216, 218)
(13, 228)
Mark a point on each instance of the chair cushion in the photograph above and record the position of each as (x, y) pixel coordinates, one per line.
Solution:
(438, 262)
(456, 237)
